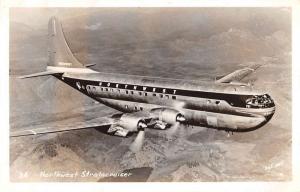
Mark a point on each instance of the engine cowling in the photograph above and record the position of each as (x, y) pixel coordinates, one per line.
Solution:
(170, 116)
(118, 131)
(132, 123)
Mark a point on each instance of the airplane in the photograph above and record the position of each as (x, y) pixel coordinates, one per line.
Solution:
(152, 102)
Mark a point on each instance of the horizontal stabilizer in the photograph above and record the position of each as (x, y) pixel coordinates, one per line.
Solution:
(237, 75)
(90, 65)
(44, 73)
(219, 77)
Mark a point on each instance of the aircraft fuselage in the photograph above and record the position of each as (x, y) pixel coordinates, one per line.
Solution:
(214, 105)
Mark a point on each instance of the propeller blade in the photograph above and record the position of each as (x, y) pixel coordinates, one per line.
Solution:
(137, 144)
(173, 129)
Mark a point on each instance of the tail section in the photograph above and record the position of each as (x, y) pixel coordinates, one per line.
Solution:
(59, 52)
(61, 58)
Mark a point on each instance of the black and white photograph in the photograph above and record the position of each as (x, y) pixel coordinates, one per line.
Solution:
(150, 94)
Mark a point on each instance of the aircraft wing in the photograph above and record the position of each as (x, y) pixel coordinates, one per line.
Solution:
(34, 130)
(237, 75)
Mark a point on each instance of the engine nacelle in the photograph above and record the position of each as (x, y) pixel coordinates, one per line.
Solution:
(170, 116)
(121, 132)
(160, 125)
(132, 123)
(118, 131)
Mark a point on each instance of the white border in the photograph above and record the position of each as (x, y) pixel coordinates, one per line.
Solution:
(207, 186)
(147, 3)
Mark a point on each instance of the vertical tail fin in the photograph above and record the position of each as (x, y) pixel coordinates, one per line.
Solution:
(59, 52)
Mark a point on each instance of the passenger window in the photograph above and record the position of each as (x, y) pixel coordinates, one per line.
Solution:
(141, 108)
(217, 102)
(101, 88)
(131, 92)
(135, 108)
(173, 97)
(140, 93)
(146, 94)
(154, 94)
(78, 85)
(167, 96)
(161, 95)
(126, 92)
(106, 89)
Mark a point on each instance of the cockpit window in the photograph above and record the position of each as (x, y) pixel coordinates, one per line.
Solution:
(259, 101)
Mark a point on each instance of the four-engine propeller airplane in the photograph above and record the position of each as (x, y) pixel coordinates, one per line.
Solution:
(149, 102)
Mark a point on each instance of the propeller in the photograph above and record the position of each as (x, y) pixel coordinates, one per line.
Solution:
(173, 129)
(176, 126)
(138, 142)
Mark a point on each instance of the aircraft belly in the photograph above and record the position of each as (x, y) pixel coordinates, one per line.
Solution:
(223, 121)
(194, 117)
(212, 121)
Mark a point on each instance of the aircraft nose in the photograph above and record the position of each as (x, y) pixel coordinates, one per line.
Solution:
(260, 120)
(269, 114)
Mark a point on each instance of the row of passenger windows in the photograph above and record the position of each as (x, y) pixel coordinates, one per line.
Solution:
(140, 93)
(131, 92)
(137, 87)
